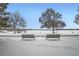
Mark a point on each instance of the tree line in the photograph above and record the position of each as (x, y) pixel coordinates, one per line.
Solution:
(10, 20)
(49, 19)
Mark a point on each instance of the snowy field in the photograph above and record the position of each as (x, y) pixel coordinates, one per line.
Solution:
(14, 46)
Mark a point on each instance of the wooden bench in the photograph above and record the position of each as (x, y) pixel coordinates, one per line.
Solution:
(53, 37)
(28, 37)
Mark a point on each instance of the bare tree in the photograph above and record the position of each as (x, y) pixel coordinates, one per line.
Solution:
(15, 20)
(77, 17)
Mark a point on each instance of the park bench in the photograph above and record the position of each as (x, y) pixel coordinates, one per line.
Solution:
(53, 37)
(28, 37)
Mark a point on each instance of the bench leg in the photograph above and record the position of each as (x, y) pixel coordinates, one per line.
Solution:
(46, 38)
(34, 38)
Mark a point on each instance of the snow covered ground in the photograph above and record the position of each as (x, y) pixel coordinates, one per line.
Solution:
(14, 46)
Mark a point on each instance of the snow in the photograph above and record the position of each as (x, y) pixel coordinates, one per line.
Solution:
(15, 46)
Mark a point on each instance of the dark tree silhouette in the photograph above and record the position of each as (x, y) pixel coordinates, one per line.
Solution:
(3, 15)
(61, 24)
(51, 19)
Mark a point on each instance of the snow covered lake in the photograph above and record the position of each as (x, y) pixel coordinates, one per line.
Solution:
(14, 46)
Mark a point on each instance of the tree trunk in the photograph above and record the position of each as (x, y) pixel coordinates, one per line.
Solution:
(14, 29)
(53, 30)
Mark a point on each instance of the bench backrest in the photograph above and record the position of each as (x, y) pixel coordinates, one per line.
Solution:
(27, 36)
(53, 36)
